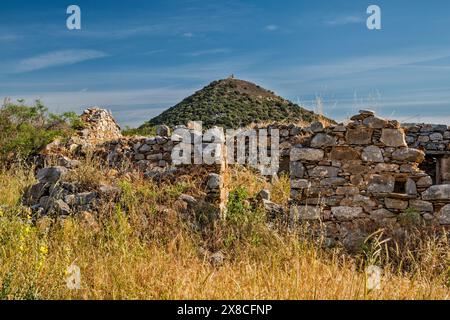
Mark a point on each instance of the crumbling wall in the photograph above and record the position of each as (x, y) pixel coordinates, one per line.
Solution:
(430, 138)
(346, 180)
(358, 177)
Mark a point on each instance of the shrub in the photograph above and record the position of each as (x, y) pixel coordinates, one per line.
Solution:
(25, 130)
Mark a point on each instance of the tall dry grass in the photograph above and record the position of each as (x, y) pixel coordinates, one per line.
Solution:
(144, 250)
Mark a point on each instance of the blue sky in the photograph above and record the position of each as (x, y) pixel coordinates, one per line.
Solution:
(139, 57)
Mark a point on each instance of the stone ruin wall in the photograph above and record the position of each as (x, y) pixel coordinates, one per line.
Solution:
(434, 140)
(350, 178)
(151, 156)
(356, 178)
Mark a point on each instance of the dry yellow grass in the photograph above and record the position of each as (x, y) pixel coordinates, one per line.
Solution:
(166, 259)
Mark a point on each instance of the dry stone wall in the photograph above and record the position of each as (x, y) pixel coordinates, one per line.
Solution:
(346, 180)
(356, 178)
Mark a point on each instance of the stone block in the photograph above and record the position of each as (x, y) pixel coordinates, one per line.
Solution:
(359, 135)
(340, 153)
(372, 154)
(408, 154)
(393, 137)
(305, 212)
(322, 140)
(381, 184)
(395, 204)
(343, 213)
(323, 172)
(439, 192)
(306, 154)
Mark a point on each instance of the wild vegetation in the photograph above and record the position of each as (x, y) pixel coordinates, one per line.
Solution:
(233, 103)
(144, 245)
(24, 130)
(142, 248)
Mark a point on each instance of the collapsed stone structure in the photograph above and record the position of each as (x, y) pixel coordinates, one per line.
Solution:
(346, 180)
(360, 177)
(101, 139)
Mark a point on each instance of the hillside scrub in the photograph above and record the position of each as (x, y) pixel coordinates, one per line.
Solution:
(25, 130)
(233, 103)
(142, 247)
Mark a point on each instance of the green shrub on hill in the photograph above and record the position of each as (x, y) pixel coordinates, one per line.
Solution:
(24, 130)
(233, 103)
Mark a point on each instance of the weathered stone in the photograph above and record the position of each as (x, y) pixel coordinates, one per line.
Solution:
(214, 181)
(323, 172)
(305, 213)
(347, 191)
(372, 154)
(145, 148)
(359, 135)
(438, 192)
(362, 201)
(155, 157)
(190, 200)
(355, 168)
(85, 198)
(410, 187)
(163, 130)
(408, 154)
(423, 139)
(272, 209)
(422, 206)
(381, 184)
(393, 137)
(375, 122)
(297, 169)
(60, 207)
(340, 153)
(139, 156)
(322, 140)
(35, 192)
(444, 215)
(50, 174)
(317, 126)
(332, 182)
(366, 112)
(386, 167)
(433, 127)
(44, 201)
(300, 184)
(340, 128)
(436, 136)
(295, 131)
(410, 140)
(408, 168)
(264, 194)
(395, 204)
(346, 213)
(381, 214)
(306, 154)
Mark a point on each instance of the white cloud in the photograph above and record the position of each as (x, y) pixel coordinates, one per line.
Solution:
(57, 58)
(188, 34)
(271, 27)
